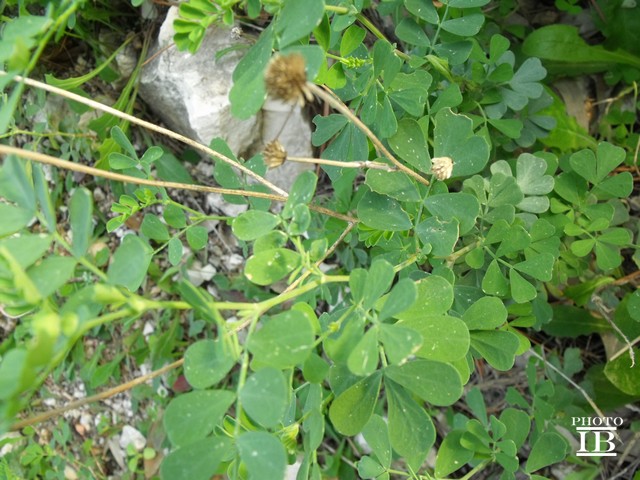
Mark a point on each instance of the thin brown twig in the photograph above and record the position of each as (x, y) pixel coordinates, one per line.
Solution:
(149, 126)
(627, 278)
(574, 384)
(336, 163)
(342, 108)
(605, 312)
(76, 167)
(41, 417)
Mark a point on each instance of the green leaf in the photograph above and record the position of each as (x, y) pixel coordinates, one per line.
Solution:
(607, 257)
(435, 296)
(382, 213)
(399, 342)
(466, 26)
(617, 186)
(581, 248)
(351, 39)
(444, 338)
(363, 358)
(174, 216)
(451, 455)
(411, 430)
(169, 168)
(379, 280)
(512, 128)
(521, 290)
(263, 455)
(14, 219)
(16, 185)
(41, 188)
(503, 190)
(410, 32)
(248, 92)
(497, 347)
(301, 192)
(298, 19)
(518, 425)
(198, 461)
(197, 237)
(269, 266)
(206, 362)
(453, 137)
(402, 296)
(283, 341)
(394, 184)
(129, 263)
(486, 313)
(123, 141)
(550, 448)
(494, 281)
(461, 206)
(153, 228)
(423, 9)
(352, 409)
(192, 416)
(253, 224)
(634, 305)
(623, 374)
(410, 145)
(539, 267)
(530, 175)
(376, 433)
(51, 273)
(369, 468)
(118, 161)
(563, 49)
(441, 235)
(434, 382)
(265, 397)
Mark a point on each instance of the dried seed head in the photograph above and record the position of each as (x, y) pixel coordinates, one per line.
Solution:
(286, 79)
(442, 167)
(274, 154)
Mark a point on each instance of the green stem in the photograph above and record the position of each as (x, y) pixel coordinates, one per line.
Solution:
(374, 30)
(475, 470)
(337, 9)
(81, 260)
(437, 34)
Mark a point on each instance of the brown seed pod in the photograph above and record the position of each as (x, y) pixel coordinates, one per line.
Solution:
(286, 79)
(274, 154)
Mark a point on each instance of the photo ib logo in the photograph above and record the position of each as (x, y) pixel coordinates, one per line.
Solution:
(597, 435)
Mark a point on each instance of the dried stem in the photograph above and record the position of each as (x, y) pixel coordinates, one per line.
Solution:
(95, 398)
(149, 126)
(336, 163)
(574, 384)
(605, 312)
(65, 164)
(342, 108)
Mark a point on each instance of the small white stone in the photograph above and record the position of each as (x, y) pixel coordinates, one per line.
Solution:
(233, 261)
(148, 329)
(131, 436)
(70, 473)
(199, 274)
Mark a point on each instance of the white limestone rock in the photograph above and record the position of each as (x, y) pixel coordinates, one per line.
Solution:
(190, 91)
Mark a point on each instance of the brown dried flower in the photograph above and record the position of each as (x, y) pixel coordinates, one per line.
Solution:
(286, 79)
(442, 167)
(274, 154)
